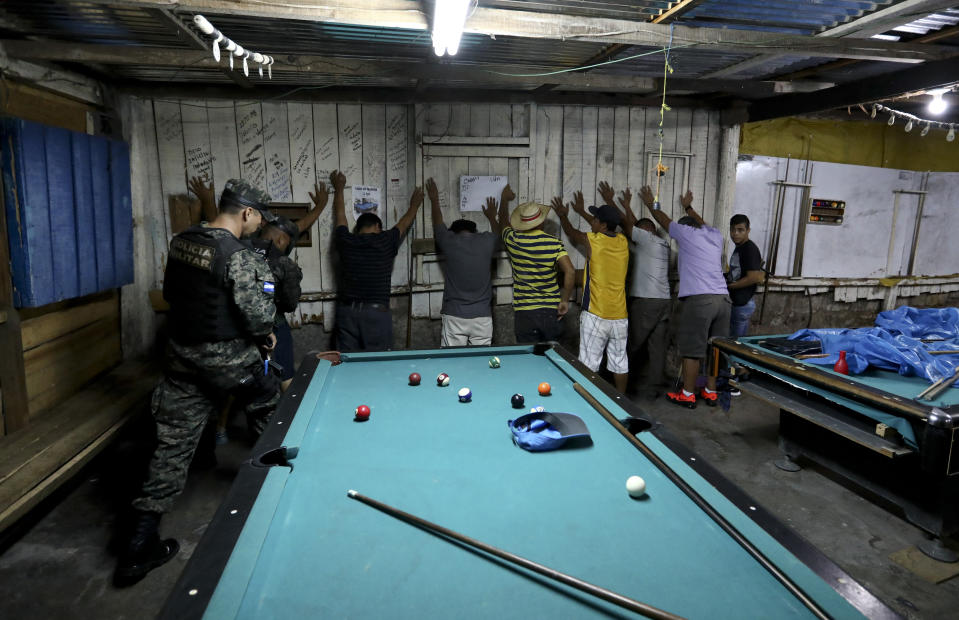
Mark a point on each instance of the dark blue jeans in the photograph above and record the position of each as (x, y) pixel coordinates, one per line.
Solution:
(539, 325)
(363, 327)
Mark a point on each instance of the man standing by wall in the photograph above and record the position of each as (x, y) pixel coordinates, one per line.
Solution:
(468, 290)
(649, 299)
(703, 290)
(603, 325)
(221, 311)
(538, 303)
(363, 321)
(745, 272)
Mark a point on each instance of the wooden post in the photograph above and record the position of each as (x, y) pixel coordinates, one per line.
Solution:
(13, 386)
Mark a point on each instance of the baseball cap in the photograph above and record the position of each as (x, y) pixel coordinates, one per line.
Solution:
(608, 214)
(244, 194)
(541, 431)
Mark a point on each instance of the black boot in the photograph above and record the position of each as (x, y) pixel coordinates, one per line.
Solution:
(145, 551)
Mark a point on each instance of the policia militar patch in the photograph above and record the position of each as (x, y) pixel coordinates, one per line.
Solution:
(191, 253)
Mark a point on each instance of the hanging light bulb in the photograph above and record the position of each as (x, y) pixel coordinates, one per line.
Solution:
(258, 59)
(230, 47)
(892, 120)
(873, 113)
(246, 67)
(449, 17)
(952, 133)
(216, 45)
(925, 130)
(909, 126)
(938, 105)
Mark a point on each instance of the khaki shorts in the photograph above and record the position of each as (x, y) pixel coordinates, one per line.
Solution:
(702, 317)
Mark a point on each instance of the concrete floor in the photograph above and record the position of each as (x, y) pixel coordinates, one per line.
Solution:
(59, 565)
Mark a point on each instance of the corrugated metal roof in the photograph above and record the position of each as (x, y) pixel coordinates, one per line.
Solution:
(87, 22)
(686, 63)
(787, 16)
(618, 9)
(100, 23)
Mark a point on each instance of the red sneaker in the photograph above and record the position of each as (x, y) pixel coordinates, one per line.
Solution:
(711, 398)
(678, 398)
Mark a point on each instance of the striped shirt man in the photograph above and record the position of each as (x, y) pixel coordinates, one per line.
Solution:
(533, 255)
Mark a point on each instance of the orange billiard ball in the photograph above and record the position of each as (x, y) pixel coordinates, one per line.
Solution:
(544, 389)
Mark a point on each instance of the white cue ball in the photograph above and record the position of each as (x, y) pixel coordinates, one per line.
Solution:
(636, 486)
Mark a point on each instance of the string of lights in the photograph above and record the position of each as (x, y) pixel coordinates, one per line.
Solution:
(912, 120)
(233, 48)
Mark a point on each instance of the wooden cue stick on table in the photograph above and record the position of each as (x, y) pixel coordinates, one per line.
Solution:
(938, 388)
(607, 595)
(698, 499)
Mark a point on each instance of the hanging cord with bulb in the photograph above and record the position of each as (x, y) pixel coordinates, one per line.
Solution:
(912, 119)
(663, 108)
(233, 48)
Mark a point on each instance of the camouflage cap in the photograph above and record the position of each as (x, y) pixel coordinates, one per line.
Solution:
(241, 192)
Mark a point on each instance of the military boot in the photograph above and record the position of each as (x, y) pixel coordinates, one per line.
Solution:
(145, 551)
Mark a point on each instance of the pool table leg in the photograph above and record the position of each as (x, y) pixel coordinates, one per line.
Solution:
(936, 550)
(786, 463)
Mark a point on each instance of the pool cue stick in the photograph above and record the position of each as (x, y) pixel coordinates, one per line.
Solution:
(944, 352)
(811, 356)
(698, 499)
(943, 386)
(584, 586)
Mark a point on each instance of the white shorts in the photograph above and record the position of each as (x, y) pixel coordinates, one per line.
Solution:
(597, 335)
(459, 332)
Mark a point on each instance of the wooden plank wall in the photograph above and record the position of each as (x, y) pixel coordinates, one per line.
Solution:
(68, 344)
(287, 147)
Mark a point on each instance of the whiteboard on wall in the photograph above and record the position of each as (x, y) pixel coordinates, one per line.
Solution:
(474, 190)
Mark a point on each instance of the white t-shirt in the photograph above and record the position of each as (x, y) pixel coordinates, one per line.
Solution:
(650, 265)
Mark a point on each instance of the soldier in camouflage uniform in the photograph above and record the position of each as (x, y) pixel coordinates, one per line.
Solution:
(221, 297)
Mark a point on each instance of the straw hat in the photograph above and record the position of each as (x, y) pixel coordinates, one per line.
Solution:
(528, 216)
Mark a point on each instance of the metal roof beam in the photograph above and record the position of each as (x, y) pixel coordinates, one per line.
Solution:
(392, 69)
(924, 77)
(675, 11)
(503, 22)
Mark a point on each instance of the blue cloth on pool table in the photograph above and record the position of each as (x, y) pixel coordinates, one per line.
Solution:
(874, 346)
(921, 322)
(541, 431)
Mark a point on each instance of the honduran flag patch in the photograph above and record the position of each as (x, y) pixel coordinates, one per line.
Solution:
(268, 287)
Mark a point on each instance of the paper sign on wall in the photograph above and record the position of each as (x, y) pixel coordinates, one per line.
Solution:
(366, 199)
(474, 190)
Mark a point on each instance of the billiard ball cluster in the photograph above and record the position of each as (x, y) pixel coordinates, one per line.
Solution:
(635, 485)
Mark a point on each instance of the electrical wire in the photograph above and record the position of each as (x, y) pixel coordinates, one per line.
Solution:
(663, 108)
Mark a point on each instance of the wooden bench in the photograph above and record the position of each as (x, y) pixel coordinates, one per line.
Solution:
(38, 459)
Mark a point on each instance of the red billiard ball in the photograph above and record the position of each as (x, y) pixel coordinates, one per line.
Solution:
(362, 412)
(415, 378)
(544, 389)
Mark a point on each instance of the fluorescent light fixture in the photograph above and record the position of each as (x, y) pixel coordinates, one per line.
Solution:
(449, 17)
(885, 37)
(938, 105)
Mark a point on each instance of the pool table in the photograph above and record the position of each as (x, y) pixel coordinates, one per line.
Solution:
(288, 543)
(870, 430)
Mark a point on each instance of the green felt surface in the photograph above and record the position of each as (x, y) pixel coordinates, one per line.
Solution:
(309, 551)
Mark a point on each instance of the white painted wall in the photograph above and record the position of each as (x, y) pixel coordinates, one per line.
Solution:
(287, 147)
(875, 237)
